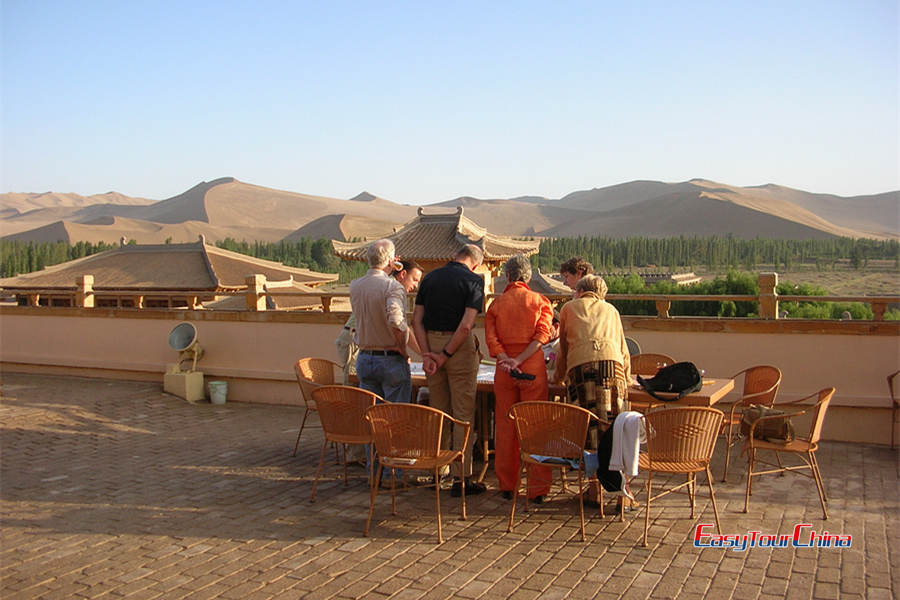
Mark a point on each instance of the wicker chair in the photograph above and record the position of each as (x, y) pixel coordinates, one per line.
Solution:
(312, 373)
(680, 440)
(804, 448)
(342, 412)
(760, 387)
(648, 364)
(551, 429)
(895, 404)
(633, 347)
(408, 437)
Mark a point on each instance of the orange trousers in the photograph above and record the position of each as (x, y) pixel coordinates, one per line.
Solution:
(508, 391)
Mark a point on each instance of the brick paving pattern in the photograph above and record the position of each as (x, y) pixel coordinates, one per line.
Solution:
(114, 489)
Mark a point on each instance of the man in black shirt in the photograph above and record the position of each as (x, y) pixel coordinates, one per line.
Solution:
(448, 301)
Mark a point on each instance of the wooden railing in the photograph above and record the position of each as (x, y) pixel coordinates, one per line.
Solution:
(84, 295)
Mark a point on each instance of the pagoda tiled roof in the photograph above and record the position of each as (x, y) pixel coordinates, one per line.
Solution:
(436, 237)
(539, 282)
(273, 302)
(192, 266)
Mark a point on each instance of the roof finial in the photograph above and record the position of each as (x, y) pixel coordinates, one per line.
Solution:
(202, 239)
(122, 241)
(459, 210)
(420, 211)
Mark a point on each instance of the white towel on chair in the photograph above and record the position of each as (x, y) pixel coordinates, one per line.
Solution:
(628, 434)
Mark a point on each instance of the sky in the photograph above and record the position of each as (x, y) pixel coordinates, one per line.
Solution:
(421, 102)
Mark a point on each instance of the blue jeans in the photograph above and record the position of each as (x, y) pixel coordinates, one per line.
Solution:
(387, 376)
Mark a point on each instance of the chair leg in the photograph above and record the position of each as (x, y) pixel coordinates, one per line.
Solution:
(893, 424)
(437, 504)
(462, 489)
(751, 456)
(596, 482)
(727, 452)
(393, 493)
(820, 485)
(515, 500)
(712, 497)
(623, 499)
(462, 504)
(815, 461)
(692, 489)
(647, 508)
(486, 456)
(780, 464)
(302, 425)
(344, 452)
(372, 493)
(312, 496)
(581, 498)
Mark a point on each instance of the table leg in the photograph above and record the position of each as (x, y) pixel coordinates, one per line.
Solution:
(485, 430)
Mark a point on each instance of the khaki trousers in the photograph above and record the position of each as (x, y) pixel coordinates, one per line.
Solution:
(452, 389)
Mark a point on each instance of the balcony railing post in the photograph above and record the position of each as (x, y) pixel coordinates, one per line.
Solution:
(662, 308)
(878, 309)
(768, 297)
(256, 292)
(84, 294)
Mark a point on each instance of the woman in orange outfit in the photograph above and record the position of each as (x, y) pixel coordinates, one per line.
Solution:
(517, 324)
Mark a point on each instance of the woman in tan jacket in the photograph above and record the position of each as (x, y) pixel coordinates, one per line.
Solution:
(593, 356)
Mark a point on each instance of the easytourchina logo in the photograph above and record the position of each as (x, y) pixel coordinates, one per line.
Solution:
(803, 536)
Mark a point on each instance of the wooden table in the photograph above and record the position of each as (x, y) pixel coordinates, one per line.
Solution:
(484, 406)
(712, 391)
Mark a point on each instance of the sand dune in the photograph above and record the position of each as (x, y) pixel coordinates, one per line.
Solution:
(343, 228)
(516, 217)
(683, 214)
(112, 229)
(27, 202)
(227, 207)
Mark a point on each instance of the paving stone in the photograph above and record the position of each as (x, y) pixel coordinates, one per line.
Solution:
(113, 489)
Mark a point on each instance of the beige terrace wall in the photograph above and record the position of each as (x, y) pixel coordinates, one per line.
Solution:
(254, 352)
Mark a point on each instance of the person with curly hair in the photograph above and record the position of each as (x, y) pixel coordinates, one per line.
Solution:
(574, 269)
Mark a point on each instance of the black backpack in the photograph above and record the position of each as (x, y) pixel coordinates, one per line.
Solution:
(682, 378)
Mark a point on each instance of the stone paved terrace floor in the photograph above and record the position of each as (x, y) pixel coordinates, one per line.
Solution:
(114, 489)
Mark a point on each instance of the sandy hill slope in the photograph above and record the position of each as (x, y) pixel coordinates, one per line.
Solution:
(243, 204)
(113, 229)
(220, 208)
(227, 207)
(876, 215)
(22, 212)
(859, 216)
(343, 228)
(689, 214)
(516, 217)
(623, 194)
(27, 202)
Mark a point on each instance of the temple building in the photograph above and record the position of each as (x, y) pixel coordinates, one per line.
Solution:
(432, 240)
(193, 275)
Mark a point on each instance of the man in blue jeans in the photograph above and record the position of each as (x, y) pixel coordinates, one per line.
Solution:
(382, 334)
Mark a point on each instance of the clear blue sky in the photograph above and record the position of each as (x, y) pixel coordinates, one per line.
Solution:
(422, 102)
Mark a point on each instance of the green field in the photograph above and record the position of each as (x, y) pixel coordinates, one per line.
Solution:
(878, 277)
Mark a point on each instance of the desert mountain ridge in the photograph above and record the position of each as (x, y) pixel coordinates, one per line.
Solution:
(227, 207)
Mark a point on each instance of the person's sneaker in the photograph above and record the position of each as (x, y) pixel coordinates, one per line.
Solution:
(537, 500)
(473, 488)
(507, 495)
